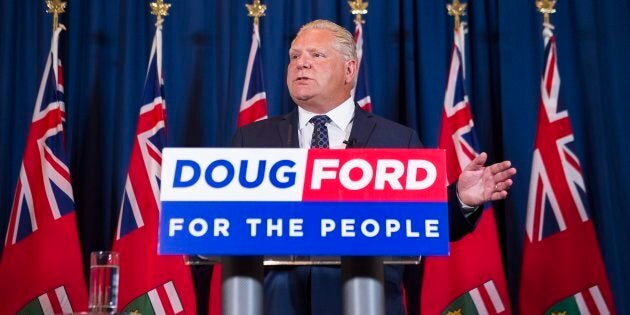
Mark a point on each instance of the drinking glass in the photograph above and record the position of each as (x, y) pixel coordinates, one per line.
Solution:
(104, 269)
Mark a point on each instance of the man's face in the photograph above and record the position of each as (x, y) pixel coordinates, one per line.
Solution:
(318, 76)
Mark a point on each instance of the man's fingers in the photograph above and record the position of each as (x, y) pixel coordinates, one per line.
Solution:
(501, 186)
(499, 167)
(499, 195)
(477, 162)
(504, 175)
(481, 158)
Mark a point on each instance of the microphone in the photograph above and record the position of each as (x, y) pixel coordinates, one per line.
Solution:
(350, 142)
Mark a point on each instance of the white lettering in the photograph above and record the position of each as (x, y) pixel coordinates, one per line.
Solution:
(327, 225)
(410, 233)
(375, 228)
(431, 227)
(197, 232)
(175, 224)
(412, 172)
(253, 225)
(366, 174)
(319, 172)
(295, 227)
(347, 228)
(391, 226)
(382, 175)
(221, 226)
(271, 227)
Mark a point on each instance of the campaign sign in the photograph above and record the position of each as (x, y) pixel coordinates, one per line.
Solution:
(364, 202)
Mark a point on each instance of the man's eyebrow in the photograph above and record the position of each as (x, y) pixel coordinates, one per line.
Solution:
(315, 49)
(308, 50)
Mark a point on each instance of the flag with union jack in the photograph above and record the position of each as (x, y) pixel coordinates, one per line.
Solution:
(254, 99)
(141, 268)
(41, 267)
(361, 92)
(474, 260)
(561, 256)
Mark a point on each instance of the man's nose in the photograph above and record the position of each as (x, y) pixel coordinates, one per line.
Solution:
(303, 63)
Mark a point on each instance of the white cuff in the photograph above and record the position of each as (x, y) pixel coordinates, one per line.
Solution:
(468, 210)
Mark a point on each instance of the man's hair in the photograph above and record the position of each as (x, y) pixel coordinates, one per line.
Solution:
(344, 42)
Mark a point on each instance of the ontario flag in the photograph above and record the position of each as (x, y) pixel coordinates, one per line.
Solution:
(41, 267)
(471, 279)
(166, 280)
(254, 99)
(361, 92)
(562, 265)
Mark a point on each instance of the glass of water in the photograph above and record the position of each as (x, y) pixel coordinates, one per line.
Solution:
(104, 270)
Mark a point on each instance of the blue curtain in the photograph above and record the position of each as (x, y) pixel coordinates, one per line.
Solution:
(206, 42)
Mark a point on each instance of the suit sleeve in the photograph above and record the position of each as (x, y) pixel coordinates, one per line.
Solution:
(459, 223)
(237, 140)
(414, 141)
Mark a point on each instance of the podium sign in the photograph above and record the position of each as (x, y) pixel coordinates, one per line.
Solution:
(358, 202)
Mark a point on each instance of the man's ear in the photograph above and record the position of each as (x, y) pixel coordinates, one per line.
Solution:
(351, 70)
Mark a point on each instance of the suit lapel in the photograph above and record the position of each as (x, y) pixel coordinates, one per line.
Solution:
(288, 130)
(362, 127)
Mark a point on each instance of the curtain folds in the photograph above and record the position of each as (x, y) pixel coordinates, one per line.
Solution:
(206, 43)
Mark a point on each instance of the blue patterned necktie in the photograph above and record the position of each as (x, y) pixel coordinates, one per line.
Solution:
(320, 131)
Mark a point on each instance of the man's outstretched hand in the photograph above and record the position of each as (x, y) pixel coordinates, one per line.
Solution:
(478, 184)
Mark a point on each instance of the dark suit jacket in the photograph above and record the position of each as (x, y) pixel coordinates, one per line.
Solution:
(317, 290)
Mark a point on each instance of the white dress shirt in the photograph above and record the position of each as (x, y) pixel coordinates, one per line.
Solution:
(338, 129)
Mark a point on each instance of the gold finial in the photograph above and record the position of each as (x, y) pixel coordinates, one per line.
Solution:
(358, 8)
(256, 10)
(160, 8)
(546, 7)
(55, 7)
(457, 10)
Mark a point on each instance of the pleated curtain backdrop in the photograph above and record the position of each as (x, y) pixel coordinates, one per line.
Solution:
(206, 43)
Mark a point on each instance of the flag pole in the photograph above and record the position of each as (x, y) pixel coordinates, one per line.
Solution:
(363, 284)
(56, 7)
(456, 10)
(159, 8)
(242, 276)
(360, 92)
(358, 8)
(546, 7)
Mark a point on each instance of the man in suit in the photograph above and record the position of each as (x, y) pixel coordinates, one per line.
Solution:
(320, 76)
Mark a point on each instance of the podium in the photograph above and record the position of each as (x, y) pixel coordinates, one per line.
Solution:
(363, 290)
(361, 205)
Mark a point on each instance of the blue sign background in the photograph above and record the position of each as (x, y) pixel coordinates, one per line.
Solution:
(239, 241)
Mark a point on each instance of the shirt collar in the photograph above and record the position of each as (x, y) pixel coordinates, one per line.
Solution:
(341, 115)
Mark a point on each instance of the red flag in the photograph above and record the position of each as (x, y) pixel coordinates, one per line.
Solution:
(165, 280)
(562, 265)
(41, 267)
(254, 98)
(361, 92)
(472, 277)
